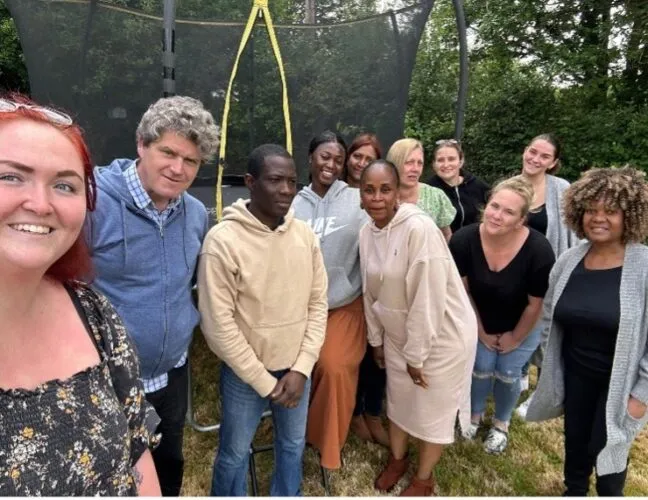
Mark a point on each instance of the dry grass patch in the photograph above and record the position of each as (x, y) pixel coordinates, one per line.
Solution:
(532, 465)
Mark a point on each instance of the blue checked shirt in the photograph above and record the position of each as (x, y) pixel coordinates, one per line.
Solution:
(143, 202)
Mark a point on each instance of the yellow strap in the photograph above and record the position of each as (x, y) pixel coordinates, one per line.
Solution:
(260, 7)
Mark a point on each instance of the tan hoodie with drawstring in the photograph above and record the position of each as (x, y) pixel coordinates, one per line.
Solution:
(262, 296)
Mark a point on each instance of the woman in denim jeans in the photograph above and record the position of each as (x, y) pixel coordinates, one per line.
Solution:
(505, 267)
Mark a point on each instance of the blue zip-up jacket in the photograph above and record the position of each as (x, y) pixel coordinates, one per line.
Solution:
(146, 271)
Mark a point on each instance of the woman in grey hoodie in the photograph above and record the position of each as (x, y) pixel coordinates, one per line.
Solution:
(595, 370)
(332, 209)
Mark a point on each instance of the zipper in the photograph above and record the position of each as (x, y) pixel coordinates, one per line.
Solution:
(463, 213)
(164, 301)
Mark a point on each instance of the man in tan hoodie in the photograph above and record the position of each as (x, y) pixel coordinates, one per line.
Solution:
(262, 290)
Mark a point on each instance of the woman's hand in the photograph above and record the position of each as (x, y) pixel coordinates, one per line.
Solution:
(636, 409)
(417, 376)
(379, 356)
(507, 343)
(489, 341)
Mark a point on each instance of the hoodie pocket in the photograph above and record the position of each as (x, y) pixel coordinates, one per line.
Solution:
(393, 321)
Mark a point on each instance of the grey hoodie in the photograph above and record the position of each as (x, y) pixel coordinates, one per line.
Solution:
(336, 219)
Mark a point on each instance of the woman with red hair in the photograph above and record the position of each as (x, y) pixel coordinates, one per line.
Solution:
(73, 417)
(364, 149)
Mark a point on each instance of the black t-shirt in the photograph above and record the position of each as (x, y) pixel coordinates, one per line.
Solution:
(538, 219)
(588, 312)
(501, 297)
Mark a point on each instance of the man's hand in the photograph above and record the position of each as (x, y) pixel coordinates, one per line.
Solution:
(289, 390)
(417, 377)
(636, 409)
(507, 343)
(379, 356)
(489, 341)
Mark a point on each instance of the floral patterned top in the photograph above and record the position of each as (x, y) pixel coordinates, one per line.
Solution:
(83, 435)
(434, 202)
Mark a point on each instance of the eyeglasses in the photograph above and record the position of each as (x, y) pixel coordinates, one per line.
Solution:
(56, 117)
(446, 141)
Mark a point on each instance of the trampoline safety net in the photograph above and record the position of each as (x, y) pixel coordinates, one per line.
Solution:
(102, 62)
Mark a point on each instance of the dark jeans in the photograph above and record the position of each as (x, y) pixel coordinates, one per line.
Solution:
(170, 404)
(585, 434)
(371, 386)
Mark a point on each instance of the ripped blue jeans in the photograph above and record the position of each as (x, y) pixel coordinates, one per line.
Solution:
(500, 373)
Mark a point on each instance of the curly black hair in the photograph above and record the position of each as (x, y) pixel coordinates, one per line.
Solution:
(620, 188)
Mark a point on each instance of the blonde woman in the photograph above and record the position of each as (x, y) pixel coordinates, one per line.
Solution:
(407, 155)
(505, 268)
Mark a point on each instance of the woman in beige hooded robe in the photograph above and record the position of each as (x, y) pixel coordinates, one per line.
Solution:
(420, 323)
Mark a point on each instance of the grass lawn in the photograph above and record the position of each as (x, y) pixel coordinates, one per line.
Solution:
(531, 466)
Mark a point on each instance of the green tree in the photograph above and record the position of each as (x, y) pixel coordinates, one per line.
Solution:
(573, 67)
(13, 73)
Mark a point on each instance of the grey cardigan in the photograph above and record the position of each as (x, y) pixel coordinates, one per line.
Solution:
(560, 237)
(630, 365)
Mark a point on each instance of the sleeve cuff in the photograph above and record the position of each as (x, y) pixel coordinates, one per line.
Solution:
(264, 384)
(304, 364)
(640, 390)
(413, 364)
(375, 340)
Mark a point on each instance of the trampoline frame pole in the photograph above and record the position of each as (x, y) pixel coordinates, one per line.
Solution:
(168, 49)
(462, 96)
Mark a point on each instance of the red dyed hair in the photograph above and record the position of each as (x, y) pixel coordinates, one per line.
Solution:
(361, 140)
(76, 263)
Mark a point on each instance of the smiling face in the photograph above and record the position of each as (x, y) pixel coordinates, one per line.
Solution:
(326, 164)
(358, 161)
(42, 195)
(412, 168)
(447, 164)
(379, 194)
(538, 157)
(503, 212)
(601, 224)
(167, 167)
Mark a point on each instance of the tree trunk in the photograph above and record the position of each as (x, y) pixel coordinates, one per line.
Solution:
(309, 9)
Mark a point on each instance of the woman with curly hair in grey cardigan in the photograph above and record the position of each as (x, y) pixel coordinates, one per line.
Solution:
(596, 363)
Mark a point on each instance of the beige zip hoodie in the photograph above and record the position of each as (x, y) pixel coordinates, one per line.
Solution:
(262, 296)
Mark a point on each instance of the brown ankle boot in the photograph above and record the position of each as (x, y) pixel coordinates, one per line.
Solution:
(419, 488)
(391, 474)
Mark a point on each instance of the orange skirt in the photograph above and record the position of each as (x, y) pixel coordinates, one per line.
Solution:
(335, 381)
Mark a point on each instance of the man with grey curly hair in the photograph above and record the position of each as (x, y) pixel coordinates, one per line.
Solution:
(145, 237)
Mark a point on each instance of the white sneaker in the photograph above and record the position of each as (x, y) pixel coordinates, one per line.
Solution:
(496, 441)
(471, 432)
(521, 410)
(524, 383)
